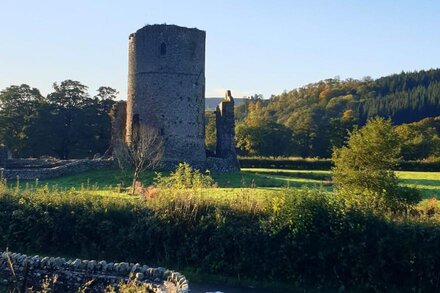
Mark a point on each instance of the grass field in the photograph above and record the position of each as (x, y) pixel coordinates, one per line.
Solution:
(258, 181)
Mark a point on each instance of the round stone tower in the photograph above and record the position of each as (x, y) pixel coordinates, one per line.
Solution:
(166, 89)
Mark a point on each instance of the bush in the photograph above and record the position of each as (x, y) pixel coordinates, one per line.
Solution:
(364, 168)
(184, 177)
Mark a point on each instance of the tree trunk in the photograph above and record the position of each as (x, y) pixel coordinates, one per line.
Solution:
(135, 178)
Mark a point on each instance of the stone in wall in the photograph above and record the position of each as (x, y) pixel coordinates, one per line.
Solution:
(225, 126)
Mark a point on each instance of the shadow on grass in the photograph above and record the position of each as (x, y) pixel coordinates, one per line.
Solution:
(423, 182)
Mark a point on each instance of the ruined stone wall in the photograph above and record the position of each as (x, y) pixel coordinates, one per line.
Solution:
(166, 89)
(62, 169)
(119, 120)
(17, 270)
(225, 128)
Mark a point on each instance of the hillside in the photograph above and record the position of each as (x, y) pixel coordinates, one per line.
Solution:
(320, 114)
(211, 103)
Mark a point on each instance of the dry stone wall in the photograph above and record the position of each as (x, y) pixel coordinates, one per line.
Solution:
(222, 165)
(18, 268)
(60, 168)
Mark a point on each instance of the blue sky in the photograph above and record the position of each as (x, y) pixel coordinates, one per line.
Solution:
(252, 46)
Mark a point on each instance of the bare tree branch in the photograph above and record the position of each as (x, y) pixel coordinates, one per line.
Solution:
(144, 152)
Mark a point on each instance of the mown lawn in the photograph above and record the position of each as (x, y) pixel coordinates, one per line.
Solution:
(260, 182)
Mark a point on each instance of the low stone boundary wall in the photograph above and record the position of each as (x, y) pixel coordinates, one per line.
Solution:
(35, 163)
(70, 167)
(222, 165)
(73, 274)
(213, 164)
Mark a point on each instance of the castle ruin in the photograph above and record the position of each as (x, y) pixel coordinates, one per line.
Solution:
(166, 91)
(225, 126)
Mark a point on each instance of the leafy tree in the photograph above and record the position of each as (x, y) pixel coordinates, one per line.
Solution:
(69, 94)
(262, 136)
(68, 122)
(18, 114)
(363, 169)
(421, 139)
(81, 125)
(106, 93)
(210, 131)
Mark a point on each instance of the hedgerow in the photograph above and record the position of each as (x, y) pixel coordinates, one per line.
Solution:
(309, 236)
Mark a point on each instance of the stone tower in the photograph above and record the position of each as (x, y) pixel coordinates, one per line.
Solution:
(225, 125)
(166, 89)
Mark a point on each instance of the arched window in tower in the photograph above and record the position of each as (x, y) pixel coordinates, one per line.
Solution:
(163, 49)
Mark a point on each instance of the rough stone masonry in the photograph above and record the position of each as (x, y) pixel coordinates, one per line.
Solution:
(166, 91)
(225, 126)
(29, 271)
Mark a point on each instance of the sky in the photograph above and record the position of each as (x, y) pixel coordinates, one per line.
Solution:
(252, 46)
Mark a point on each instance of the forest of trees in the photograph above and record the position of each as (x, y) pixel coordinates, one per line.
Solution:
(67, 123)
(318, 116)
(308, 122)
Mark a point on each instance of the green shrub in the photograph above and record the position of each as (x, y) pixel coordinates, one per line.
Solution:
(363, 170)
(184, 177)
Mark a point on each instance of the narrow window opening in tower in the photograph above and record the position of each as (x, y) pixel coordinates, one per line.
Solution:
(162, 132)
(163, 49)
(135, 127)
(136, 120)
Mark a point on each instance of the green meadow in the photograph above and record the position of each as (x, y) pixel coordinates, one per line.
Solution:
(257, 181)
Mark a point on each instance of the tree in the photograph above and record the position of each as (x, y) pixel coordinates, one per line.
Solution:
(267, 138)
(364, 168)
(420, 140)
(210, 131)
(145, 151)
(67, 120)
(69, 94)
(18, 112)
(106, 93)
(80, 125)
(260, 135)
